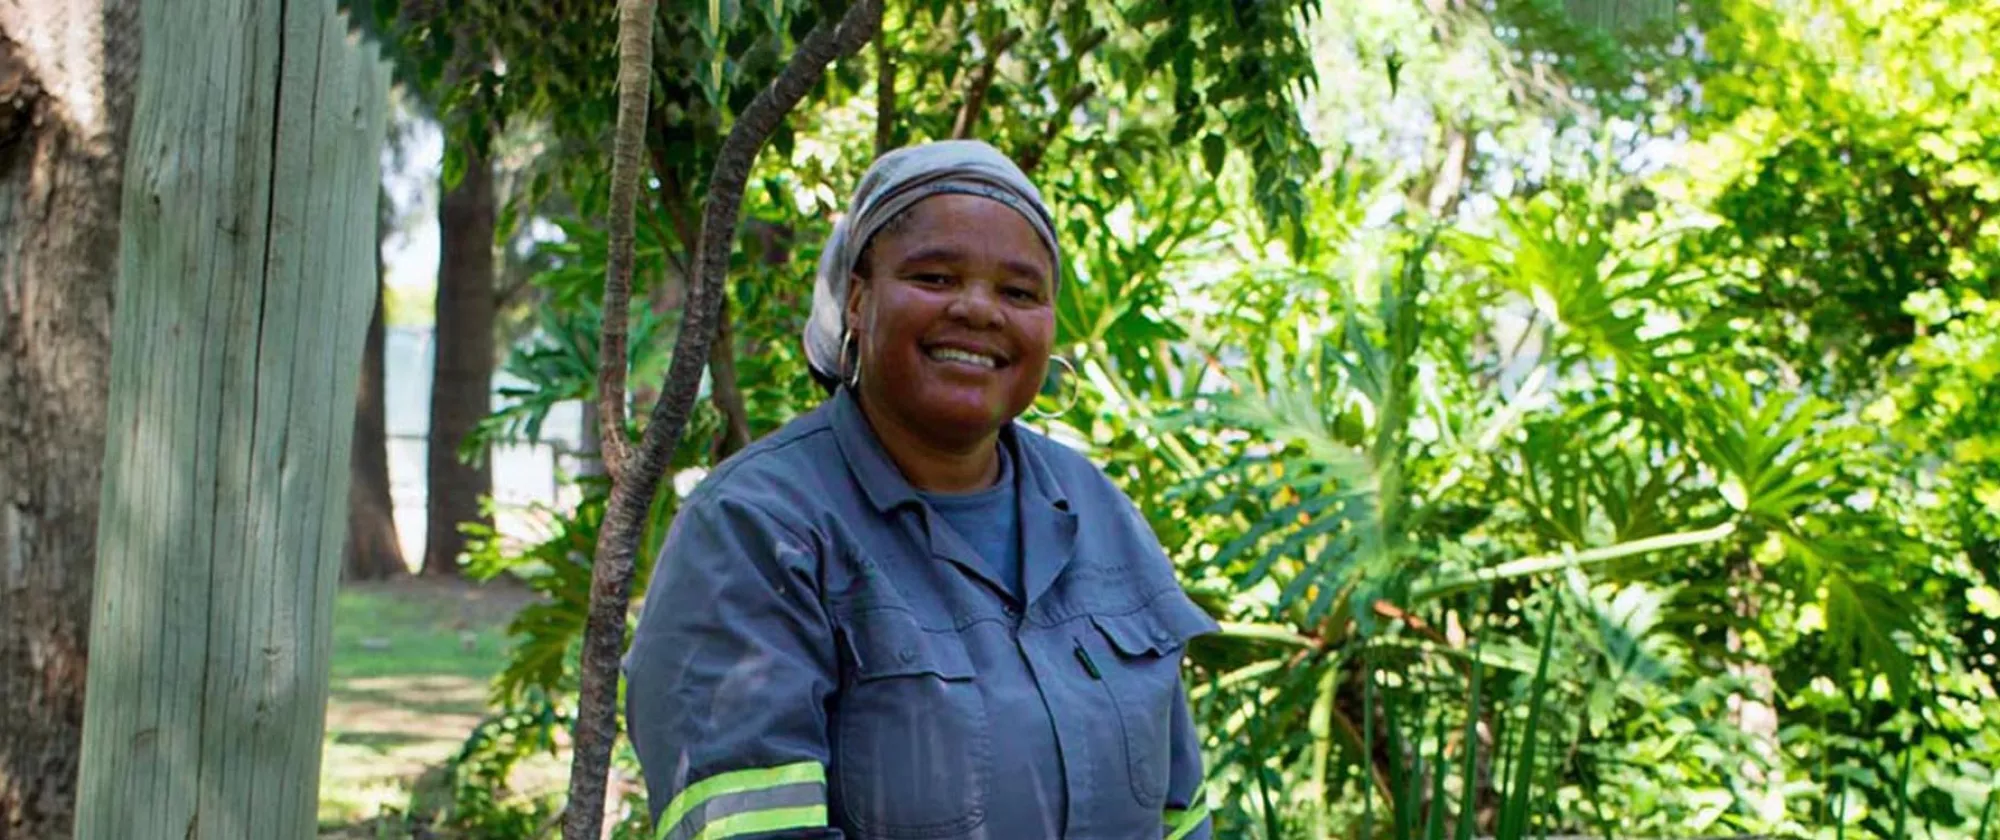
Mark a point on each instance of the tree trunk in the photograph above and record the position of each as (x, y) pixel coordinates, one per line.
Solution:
(590, 444)
(885, 90)
(66, 76)
(724, 392)
(462, 378)
(374, 551)
(244, 275)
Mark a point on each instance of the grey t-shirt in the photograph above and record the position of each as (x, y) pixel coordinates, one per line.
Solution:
(989, 521)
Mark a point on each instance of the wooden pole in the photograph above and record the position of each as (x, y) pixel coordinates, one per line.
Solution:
(243, 295)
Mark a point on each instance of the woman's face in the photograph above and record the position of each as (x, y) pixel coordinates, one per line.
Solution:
(954, 318)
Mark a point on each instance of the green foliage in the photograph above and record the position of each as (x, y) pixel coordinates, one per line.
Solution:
(1540, 487)
(1235, 70)
(535, 693)
(547, 631)
(557, 568)
(482, 804)
(557, 361)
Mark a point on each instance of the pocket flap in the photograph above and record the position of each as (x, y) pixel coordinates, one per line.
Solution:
(1160, 627)
(890, 643)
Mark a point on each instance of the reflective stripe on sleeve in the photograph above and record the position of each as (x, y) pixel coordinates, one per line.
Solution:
(747, 801)
(756, 822)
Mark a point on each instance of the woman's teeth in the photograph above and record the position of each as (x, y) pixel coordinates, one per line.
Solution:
(946, 354)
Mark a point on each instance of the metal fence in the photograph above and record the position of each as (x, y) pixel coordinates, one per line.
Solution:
(527, 478)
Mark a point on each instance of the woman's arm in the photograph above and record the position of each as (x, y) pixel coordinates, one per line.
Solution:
(727, 680)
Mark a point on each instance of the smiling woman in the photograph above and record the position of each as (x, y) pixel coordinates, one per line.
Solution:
(903, 615)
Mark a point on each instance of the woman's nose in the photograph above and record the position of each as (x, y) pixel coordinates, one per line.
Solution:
(974, 306)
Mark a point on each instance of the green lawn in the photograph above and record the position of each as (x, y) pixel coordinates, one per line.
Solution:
(411, 662)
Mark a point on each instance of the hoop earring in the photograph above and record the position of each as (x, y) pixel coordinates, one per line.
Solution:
(847, 340)
(1075, 391)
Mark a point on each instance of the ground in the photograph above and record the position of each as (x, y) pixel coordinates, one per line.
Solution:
(411, 664)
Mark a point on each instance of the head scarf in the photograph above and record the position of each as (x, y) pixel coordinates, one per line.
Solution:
(898, 180)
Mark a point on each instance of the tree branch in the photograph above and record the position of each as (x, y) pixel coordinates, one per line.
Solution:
(982, 81)
(1031, 157)
(515, 280)
(724, 392)
(635, 77)
(885, 93)
(632, 491)
(670, 186)
(1077, 51)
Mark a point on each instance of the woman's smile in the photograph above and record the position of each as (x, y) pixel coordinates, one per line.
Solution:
(965, 356)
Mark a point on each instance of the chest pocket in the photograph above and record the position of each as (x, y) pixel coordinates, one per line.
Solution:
(1144, 683)
(912, 751)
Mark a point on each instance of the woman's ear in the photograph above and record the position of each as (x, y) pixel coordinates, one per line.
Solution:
(857, 294)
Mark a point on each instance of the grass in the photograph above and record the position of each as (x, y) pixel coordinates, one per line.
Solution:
(411, 662)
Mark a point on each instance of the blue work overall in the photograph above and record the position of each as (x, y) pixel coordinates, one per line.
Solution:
(821, 655)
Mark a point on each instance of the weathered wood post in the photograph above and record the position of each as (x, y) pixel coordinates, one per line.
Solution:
(243, 295)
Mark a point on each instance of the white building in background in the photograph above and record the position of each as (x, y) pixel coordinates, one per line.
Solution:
(526, 479)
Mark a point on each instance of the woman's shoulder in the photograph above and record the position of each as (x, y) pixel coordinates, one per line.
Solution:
(1086, 483)
(1061, 458)
(1111, 529)
(776, 474)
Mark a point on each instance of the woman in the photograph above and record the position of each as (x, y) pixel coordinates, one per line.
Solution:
(902, 616)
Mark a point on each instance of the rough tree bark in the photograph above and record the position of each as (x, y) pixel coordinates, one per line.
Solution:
(66, 76)
(462, 375)
(637, 478)
(635, 72)
(248, 217)
(374, 551)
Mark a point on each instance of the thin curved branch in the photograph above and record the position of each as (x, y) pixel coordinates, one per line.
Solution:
(632, 492)
(635, 75)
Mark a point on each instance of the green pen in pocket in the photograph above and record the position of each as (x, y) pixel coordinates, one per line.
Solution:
(1089, 667)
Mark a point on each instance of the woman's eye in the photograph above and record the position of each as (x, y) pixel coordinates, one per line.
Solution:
(1023, 295)
(930, 279)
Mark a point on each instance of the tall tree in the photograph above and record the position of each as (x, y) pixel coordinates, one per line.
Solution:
(466, 304)
(374, 551)
(243, 293)
(462, 376)
(66, 76)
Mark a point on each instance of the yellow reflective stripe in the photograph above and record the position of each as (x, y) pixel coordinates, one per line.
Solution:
(754, 822)
(738, 781)
(1185, 822)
